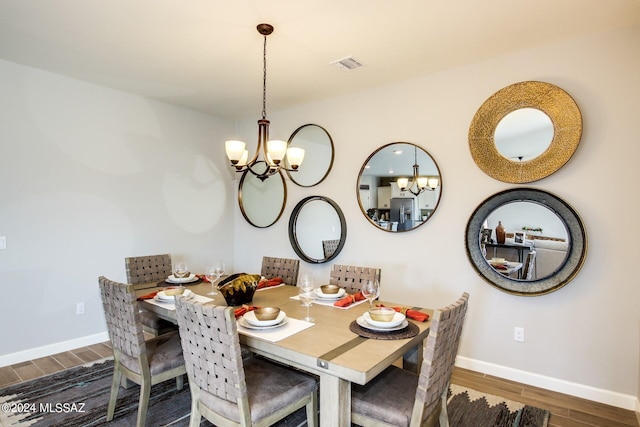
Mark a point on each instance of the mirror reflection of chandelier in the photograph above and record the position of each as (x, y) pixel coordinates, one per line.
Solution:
(274, 151)
(421, 183)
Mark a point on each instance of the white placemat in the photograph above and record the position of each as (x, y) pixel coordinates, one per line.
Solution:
(172, 306)
(329, 303)
(293, 326)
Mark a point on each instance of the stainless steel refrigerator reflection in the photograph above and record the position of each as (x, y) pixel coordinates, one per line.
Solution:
(401, 212)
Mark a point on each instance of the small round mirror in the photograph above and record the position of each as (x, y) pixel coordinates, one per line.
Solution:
(262, 202)
(318, 152)
(317, 229)
(399, 187)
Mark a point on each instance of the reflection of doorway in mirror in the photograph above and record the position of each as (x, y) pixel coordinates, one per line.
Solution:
(365, 197)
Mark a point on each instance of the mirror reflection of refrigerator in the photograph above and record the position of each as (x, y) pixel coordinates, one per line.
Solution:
(402, 211)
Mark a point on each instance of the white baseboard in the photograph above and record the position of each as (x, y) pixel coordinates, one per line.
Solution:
(48, 350)
(554, 384)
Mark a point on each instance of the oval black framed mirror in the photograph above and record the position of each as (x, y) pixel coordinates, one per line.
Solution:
(317, 229)
(388, 202)
(262, 201)
(525, 132)
(542, 249)
(317, 145)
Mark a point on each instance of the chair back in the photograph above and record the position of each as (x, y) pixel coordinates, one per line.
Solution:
(440, 352)
(351, 277)
(143, 269)
(123, 318)
(529, 266)
(212, 354)
(329, 247)
(284, 268)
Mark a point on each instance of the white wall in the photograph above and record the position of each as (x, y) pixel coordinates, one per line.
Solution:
(582, 339)
(88, 177)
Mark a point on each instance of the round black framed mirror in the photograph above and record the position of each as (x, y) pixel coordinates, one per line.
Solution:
(317, 229)
(262, 201)
(542, 249)
(317, 145)
(399, 187)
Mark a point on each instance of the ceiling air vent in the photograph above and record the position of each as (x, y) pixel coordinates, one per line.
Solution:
(348, 63)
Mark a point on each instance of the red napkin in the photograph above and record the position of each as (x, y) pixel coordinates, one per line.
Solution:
(349, 299)
(202, 277)
(411, 314)
(265, 283)
(148, 296)
(500, 267)
(239, 312)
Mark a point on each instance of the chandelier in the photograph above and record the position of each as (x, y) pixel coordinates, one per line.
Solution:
(421, 183)
(274, 151)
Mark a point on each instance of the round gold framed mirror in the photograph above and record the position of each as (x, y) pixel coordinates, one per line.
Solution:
(525, 132)
(318, 146)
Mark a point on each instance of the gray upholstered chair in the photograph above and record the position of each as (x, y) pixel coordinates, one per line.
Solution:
(284, 268)
(230, 391)
(145, 363)
(351, 277)
(387, 400)
(146, 271)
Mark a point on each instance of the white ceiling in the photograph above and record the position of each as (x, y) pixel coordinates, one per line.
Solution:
(207, 54)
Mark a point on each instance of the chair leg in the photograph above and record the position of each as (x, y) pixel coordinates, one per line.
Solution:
(312, 411)
(115, 387)
(444, 416)
(143, 404)
(194, 420)
(179, 382)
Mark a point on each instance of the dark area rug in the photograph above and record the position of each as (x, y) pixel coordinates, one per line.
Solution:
(79, 397)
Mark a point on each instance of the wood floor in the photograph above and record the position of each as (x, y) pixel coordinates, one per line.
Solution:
(566, 411)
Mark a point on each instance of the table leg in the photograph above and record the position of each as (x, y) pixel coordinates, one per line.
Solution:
(335, 401)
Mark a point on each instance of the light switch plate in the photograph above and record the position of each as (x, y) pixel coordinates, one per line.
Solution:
(3, 242)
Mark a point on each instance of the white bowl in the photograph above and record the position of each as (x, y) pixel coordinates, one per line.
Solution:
(398, 318)
(251, 319)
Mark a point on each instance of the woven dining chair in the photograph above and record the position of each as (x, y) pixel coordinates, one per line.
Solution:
(145, 270)
(284, 268)
(230, 391)
(529, 266)
(329, 247)
(387, 399)
(351, 277)
(144, 362)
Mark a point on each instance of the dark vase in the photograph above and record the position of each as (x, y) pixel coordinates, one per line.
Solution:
(500, 233)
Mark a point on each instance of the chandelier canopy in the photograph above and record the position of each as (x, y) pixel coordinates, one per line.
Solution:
(274, 151)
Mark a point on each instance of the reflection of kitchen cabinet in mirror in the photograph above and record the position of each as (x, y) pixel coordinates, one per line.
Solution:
(318, 147)
(545, 242)
(525, 132)
(317, 229)
(399, 187)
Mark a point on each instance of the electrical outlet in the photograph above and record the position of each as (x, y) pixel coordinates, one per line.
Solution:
(80, 308)
(518, 334)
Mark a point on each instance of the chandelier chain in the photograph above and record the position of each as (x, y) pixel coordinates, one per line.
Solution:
(264, 79)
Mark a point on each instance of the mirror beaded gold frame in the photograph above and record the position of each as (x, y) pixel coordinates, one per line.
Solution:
(553, 101)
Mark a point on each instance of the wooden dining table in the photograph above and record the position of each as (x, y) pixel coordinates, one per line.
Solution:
(328, 348)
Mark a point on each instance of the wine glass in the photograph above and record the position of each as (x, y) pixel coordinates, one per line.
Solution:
(371, 290)
(307, 294)
(211, 274)
(180, 270)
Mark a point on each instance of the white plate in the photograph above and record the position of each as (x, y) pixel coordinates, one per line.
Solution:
(362, 322)
(243, 322)
(164, 297)
(174, 279)
(398, 318)
(251, 319)
(337, 295)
